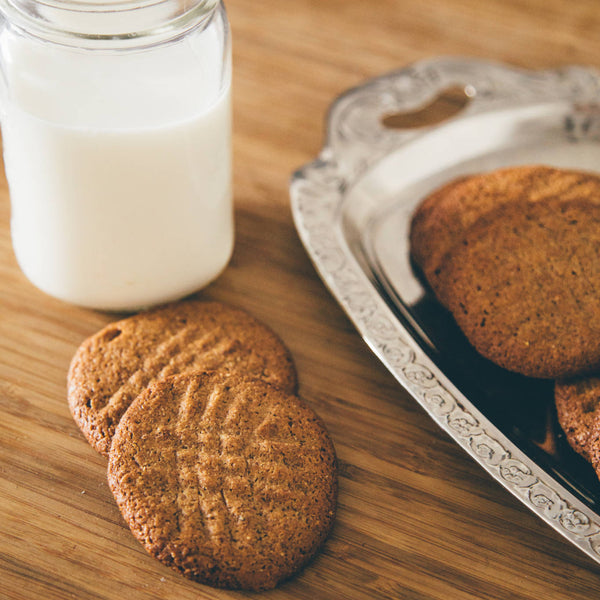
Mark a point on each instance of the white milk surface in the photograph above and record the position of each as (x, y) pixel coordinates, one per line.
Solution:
(120, 198)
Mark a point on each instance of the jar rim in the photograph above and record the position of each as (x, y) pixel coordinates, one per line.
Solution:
(107, 24)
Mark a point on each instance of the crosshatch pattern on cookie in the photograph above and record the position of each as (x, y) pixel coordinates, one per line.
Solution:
(112, 367)
(226, 479)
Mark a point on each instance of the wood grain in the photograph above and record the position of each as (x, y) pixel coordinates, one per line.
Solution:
(417, 520)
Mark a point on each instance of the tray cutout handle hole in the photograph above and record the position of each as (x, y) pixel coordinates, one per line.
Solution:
(447, 104)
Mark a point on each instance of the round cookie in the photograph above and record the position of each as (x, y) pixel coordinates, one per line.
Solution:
(113, 366)
(523, 287)
(442, 219)
(226, 479)
(578, 410)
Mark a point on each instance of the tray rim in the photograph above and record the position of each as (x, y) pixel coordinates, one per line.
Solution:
(354, 142)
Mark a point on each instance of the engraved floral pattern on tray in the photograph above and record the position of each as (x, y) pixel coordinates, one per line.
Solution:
(356, 140)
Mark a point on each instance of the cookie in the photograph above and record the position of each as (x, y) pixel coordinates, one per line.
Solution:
(441, 220)
(112, 367)
(523, 287)
(228, 480)
(578, 411)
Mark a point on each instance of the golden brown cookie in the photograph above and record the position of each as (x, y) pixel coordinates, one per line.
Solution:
(578, 411)
(228, 480)
(441, 220)
(112, 367)
(523, 287)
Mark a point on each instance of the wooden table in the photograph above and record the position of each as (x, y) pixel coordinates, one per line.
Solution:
(417, 519)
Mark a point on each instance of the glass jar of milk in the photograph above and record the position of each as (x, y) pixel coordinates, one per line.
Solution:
(116, 125)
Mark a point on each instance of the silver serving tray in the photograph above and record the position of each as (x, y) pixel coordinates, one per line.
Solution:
(352, 207)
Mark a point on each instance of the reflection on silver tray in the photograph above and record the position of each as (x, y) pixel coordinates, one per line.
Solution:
(352, 208)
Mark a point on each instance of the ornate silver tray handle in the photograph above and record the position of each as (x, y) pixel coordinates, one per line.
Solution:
(352, 208)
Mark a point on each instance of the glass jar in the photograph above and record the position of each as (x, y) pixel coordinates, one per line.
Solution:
(116, 125)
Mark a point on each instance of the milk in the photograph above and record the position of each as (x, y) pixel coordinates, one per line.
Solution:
(119, 170)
